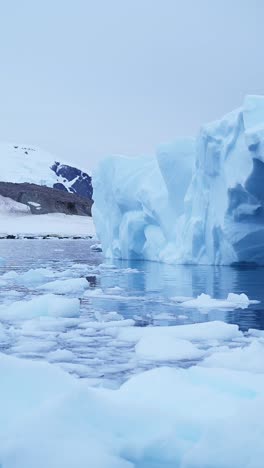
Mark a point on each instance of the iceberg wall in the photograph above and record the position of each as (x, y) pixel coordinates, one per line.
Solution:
(198, 201)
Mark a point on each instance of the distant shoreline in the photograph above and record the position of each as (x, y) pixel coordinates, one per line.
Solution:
(46, 237)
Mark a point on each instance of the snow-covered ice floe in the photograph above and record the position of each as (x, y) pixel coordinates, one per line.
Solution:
(88, 387)
(198, 201)
(206, 415)
(233, 301)
(46, 305)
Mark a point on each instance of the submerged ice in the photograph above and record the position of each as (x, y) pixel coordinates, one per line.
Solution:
(198, 201)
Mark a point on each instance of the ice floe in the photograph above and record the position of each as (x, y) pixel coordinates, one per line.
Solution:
(48, 304)
(162, 417)
(233, 301)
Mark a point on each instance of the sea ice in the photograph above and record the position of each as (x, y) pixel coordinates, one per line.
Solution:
(162, 417)
(3, 335)
(233, 301)
(166, 348)
(195, 332)
(67, 286)
(60, 355)
(249, 358)
(48, 304)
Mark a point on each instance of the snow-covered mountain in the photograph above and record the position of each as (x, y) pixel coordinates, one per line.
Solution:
(22, 163)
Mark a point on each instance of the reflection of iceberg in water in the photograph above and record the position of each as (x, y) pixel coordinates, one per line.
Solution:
(153, 289)
(197, 202)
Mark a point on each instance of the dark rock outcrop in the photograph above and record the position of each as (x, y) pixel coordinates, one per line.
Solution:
(73, 180)
(43, 200)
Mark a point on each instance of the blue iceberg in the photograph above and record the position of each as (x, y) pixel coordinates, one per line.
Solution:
(198, 201)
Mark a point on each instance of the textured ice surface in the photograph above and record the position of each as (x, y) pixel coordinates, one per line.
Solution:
(66, 286)
(48, 304)
(233, 301)
(140, 395)
(196, 202)
(164, 417)
(165, 347)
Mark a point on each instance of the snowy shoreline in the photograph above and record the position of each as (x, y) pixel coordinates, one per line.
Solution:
(54, 225)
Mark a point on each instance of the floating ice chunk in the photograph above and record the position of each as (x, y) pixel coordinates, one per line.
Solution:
(60, 355)
(3, 335)
(241, 299)
(107, 266)
(96, 247)
(166, 348)
(94, 292)
(129, 270)
(113, 290)
(111, 324)
(10, 275)
(76, 368)
(108, 317)
(46, 323)
(233, 301)
(35, 276)
(164, 316)
(250, 358)
(196, 332)
(256, 333)
(33, 346)
(181, 298)
(49, 304)
(103, 295)
(69, 286)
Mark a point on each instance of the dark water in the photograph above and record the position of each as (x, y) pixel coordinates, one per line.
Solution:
(146, 293)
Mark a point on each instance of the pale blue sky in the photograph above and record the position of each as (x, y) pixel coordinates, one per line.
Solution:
(84, 79)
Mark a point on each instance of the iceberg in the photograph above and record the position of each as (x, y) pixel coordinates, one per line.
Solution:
(198, 201)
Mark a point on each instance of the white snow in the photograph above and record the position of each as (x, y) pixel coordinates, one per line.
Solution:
(33, 167)
(59, 224)
(11, 207)
(195, 202)
(37, 205)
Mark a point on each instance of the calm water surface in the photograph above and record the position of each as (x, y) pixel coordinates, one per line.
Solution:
(147, 291)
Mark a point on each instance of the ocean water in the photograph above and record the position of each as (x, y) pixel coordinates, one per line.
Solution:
(146, 292)
(151, 284)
